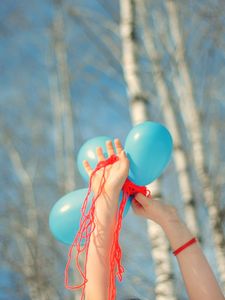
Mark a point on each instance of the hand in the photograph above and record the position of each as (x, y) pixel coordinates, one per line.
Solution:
(154, 210)
(115, 174)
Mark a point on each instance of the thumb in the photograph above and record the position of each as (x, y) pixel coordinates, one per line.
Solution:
(140, 204)
(143, 200)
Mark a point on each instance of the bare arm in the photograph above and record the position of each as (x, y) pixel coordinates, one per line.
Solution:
(98, 254)
(198, 276)
(98, 264)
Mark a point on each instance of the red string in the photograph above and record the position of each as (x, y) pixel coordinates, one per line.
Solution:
(87, 226)
(129, 189)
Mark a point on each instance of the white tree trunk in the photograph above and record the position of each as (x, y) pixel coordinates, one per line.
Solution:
(28, 199)
(26, 237)
(180, 158)
(164, 284)
(66, 106)
(66, 101)
(139, 113)
(58, 123)
(138, 99)
(192, 121)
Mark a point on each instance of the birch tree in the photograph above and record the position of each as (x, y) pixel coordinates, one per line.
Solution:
(62, 105)
(183, 84)
(59, 87)
(170, 117)
(30, 259)
(57, 108)
(139, 113)
(32, 253)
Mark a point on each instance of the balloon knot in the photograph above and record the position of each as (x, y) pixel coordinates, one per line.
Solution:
(131, 188)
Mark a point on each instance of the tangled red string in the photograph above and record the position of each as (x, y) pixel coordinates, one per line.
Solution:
(87, 226)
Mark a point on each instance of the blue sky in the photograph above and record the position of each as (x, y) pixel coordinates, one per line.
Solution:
(99, 100)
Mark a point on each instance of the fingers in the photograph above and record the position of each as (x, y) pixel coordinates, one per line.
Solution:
(100, 154)
(136, 203)
(118, 145)
(87, 167)
(110, 151)
(143, 200)
(109, 147)
(137, 207)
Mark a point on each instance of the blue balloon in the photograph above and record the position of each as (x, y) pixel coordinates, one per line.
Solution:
(88, 152)
(64, 218)
(149, 147)
(128, 204)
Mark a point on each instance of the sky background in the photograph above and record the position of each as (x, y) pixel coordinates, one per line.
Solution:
(99, 107)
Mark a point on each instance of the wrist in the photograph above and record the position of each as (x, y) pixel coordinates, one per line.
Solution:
(177, 232)
(170, 218)
(112, 191)
(106, 206)
(108, 192)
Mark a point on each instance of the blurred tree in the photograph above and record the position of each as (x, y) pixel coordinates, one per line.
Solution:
(139, 113)
(33, 253)
(170, 114)
(26, 254)
(62, 106)
(185, 90)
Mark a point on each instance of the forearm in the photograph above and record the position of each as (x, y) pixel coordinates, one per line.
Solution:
(199, 279)
(115, 171)
(98, 264)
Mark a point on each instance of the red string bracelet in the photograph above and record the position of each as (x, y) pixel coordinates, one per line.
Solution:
(186, 245)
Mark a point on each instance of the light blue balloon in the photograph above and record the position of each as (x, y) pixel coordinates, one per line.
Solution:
(64, 218)
(149, 147)
(128, 204)
(88, 152)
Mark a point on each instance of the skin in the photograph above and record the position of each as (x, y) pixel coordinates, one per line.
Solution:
(198, 277)
(106, 207)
